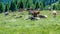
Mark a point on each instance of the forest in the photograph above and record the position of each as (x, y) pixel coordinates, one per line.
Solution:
(33, 4)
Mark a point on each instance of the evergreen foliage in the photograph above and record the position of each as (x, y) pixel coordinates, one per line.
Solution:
(33, 4)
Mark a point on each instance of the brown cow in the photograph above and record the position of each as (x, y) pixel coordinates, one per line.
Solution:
(35, 13)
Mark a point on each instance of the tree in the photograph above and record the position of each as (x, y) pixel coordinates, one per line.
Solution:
(13, 6)
(2, 7)
(37, 5)
(7, 7)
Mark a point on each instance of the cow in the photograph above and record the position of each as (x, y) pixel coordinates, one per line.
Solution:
(35, 13)
(6, 13)
(54, 13)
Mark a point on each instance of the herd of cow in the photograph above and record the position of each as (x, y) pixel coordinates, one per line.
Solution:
(35, 14)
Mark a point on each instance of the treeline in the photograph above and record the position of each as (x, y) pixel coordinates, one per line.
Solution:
(24, 4)
(56, 6)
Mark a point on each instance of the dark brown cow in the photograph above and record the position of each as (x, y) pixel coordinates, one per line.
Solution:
(35, 13)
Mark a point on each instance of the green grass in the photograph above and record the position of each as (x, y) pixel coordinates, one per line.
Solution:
(11, 25)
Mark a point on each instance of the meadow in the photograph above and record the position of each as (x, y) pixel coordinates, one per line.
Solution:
(11, 25)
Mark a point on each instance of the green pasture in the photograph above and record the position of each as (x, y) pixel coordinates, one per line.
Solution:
(11, 25)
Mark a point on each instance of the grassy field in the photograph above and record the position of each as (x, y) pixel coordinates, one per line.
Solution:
(12, 25)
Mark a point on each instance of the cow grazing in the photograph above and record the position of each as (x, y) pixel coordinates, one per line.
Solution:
(54, 13)
(6, 13)
(34, 14)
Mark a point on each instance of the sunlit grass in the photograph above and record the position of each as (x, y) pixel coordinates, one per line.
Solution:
(11, 25)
